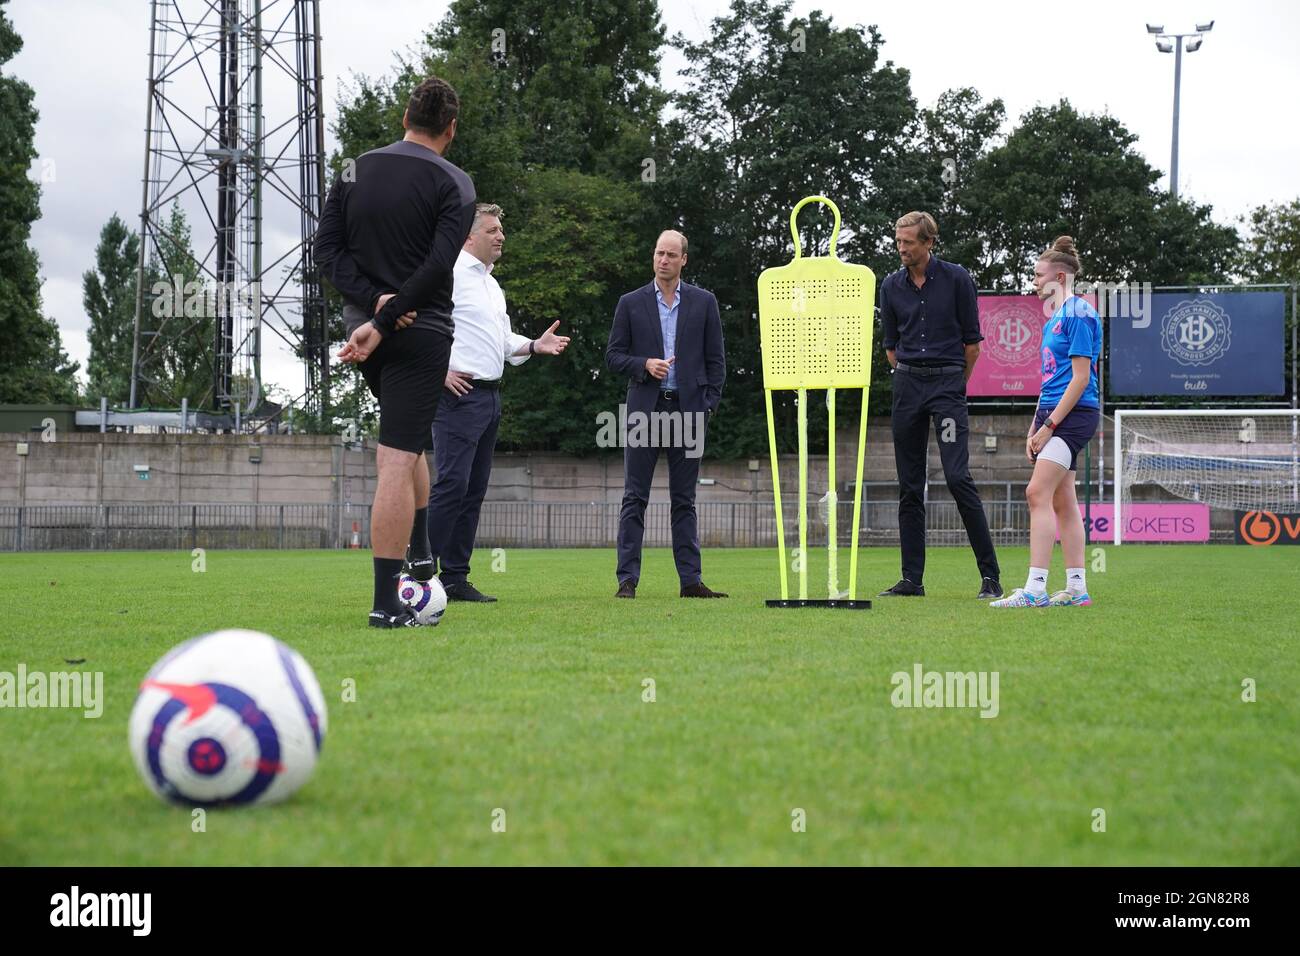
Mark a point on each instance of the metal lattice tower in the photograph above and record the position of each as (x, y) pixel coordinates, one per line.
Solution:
(236, 137)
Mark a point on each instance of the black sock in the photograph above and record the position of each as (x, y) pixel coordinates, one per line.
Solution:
(420, 554)
(420, 535)
(387, 573)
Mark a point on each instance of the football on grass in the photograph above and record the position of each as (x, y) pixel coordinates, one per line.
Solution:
(426, 599)
(232, 717)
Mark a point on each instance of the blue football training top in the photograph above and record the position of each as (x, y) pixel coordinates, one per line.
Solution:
(1074, 329)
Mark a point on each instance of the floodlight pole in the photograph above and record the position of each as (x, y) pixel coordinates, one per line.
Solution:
(1178, 76)
(1164, 46)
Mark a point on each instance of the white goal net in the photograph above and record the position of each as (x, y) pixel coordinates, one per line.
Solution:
(1237, 459)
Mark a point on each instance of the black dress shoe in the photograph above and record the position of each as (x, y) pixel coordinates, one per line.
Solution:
(989, 589)
(700, 590)
(904, 588)
(466, 592)
(626, 589)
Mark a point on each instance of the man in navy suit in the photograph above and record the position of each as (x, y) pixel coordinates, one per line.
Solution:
(667, 339)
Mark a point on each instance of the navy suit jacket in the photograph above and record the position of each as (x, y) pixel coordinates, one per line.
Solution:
(701, 365)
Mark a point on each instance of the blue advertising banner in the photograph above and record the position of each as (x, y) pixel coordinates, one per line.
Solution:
(1187, 343)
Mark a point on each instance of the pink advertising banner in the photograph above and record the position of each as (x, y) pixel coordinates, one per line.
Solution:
(1009, 365)
(1152, 522)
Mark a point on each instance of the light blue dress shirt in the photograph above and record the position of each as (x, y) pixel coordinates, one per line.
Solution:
(668, 323)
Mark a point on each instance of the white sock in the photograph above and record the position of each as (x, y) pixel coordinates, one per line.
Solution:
(1037, 583)
(1074, 581)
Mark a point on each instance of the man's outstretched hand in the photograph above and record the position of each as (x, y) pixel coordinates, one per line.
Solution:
(363, 341)
(548, 343)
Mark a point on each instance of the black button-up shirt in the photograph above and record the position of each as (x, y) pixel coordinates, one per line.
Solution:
(931, 325)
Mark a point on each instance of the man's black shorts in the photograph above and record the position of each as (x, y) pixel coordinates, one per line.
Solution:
(406, 375)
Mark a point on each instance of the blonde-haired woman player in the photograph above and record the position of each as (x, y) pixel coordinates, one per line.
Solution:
(1069, 408)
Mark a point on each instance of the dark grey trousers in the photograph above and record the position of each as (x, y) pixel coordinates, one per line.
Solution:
(639, 470)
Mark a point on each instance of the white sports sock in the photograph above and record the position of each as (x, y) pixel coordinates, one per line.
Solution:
(1075, 582)
(1037, 583)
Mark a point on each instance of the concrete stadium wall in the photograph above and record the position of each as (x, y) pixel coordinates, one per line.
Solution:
(551, 478)
(89, 468)
(82, 491)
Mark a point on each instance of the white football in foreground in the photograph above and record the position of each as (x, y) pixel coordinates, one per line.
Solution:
(232, 717)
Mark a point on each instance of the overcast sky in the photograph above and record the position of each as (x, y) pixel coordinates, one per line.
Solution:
(87, 61)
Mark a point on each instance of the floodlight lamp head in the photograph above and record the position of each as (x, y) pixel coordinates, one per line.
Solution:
(1164, 46)
(1205, 27)
(1193, 45)
(1154, 29)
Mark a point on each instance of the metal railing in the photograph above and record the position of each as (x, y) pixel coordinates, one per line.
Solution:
(728, 524)
(522, 524)
(505, 524)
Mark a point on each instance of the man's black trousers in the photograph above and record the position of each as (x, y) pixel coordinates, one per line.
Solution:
(941, 399)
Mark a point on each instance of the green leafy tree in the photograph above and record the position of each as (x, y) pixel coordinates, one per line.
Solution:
(1065, 172)
(540, 86)
(33, 365)
(108, 295)
(1271, 252)
(1185, 246)
(953, 135)
(580, 78)
(558, 114)
(778, 108)
(177, 333)
(571, 264)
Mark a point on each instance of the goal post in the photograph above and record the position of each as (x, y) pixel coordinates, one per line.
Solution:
(1232, 458)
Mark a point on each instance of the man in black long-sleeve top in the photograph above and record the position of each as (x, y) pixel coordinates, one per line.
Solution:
(930, 325)
(388, 241)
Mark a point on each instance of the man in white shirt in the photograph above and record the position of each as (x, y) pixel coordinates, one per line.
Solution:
(465, 429)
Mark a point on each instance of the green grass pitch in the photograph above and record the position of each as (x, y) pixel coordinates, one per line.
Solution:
(535, 706)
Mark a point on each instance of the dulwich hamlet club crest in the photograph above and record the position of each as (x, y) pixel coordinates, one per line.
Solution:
(1010, 335)
(1195, 332)
(1011, 339)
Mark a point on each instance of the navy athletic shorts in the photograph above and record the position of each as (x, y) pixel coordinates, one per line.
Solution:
(1076, 429)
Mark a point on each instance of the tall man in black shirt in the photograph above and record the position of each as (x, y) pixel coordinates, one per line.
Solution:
(931, 332)
(388, 241)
